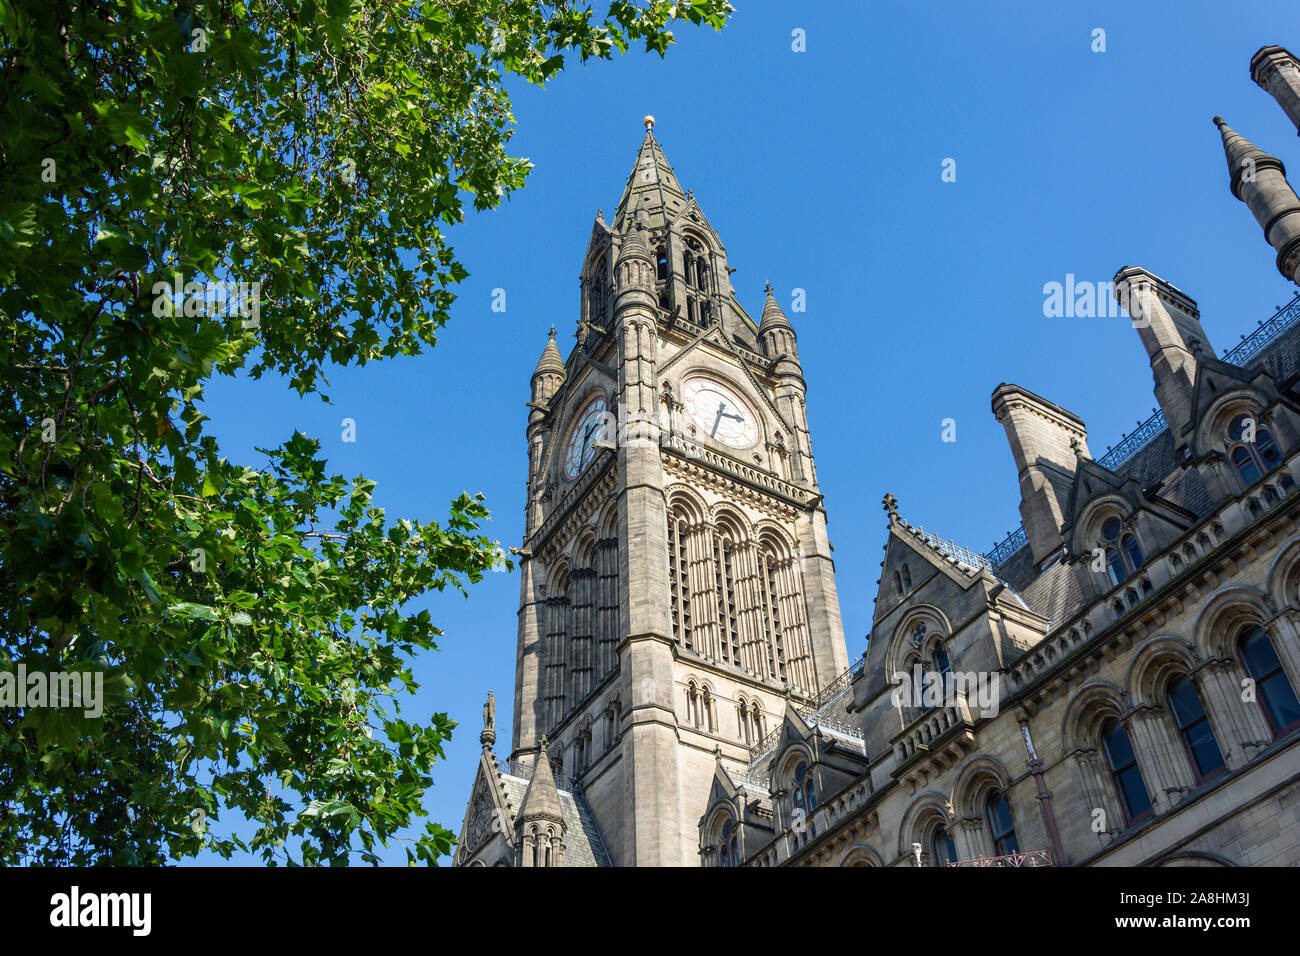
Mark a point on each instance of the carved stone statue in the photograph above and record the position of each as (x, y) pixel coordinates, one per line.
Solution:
(490, 713)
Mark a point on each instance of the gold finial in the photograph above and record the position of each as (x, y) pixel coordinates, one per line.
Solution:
(648, 120)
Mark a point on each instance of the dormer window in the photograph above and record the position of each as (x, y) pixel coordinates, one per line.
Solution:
(1251, 449)
(1123, 553)
(803, 801)
(728, 846)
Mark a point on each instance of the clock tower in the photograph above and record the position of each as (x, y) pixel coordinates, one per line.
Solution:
(677, 586)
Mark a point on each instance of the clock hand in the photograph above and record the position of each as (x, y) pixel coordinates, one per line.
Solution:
(718, 420)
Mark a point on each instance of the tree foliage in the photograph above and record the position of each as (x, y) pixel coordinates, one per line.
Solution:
(252, 623)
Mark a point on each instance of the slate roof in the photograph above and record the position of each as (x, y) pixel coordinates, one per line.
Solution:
(583, 845)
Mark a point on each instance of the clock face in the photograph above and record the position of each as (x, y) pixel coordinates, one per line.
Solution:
(582, 439)
(719, 412)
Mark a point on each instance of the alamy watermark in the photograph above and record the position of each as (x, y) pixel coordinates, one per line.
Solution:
(929, 689)
(1083, 299)
(214, 298)
(23, 688)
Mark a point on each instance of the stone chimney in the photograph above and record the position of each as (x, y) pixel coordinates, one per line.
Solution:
(1276, 70)
(1043, 438)
(1169, 325)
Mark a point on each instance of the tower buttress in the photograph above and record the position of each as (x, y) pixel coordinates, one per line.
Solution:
(652, 828)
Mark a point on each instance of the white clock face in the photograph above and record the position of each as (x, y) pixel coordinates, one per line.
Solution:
(719, 412)
(582, 439)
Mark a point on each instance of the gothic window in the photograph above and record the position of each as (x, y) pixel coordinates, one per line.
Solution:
(725, 582)
(907, 578)
(679, 588)
(607, 603)
(942, 848)
(1194, 727)
(661, 260)
(898, 584)
(1124, 771)
(771, 597)
(1273, 690)
(692, 704)
(1002, 828)
(728, 845)
(1251, 449)
(803, 801)
(742, 715)
(1123, 553)
(941, 662)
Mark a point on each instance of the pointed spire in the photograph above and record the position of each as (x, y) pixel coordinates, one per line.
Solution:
(773, 317)
(652, 185)
(551, 360)
(1245, 159)
(542, 799)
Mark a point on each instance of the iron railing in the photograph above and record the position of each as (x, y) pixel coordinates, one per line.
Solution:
(524, 771)
(1032, 858)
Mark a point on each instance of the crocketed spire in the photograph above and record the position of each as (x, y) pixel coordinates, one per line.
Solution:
(773, 317)
(551, 360)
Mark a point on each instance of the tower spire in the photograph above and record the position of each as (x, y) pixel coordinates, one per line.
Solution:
(1259, 180)
(652, 188)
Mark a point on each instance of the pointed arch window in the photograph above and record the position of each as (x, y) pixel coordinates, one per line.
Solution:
(942, 848)
(1125, 772)
(1123, 552)
(1273, 690)
(803, 801)
(661, 263)
(1194, 728)
(1251, 449)
(767, 576)
(729, 846)
(1001, 827)
(679, 587)
(725, 582)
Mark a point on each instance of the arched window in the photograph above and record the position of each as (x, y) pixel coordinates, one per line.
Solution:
(998, 813)
(1124, 770)
(942, 848)
(725, 582)
(661, 259)
(742, 712)
(803, 801)
(1194, 727)
(729, 846)
(941, 662)
(1273, 690)
(1251, 449)
(706, 702)
(1123, 553)
(907, 578)
(692, 704)
(775, 632)
(679, 587)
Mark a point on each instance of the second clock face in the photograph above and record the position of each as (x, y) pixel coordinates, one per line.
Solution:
(719, 412)
(582, 439)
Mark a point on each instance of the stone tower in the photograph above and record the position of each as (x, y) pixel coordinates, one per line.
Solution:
(677, 586)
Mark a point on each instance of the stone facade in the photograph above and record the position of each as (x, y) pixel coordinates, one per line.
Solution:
(1113, 685)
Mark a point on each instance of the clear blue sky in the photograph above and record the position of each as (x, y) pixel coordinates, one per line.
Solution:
(821, 170)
